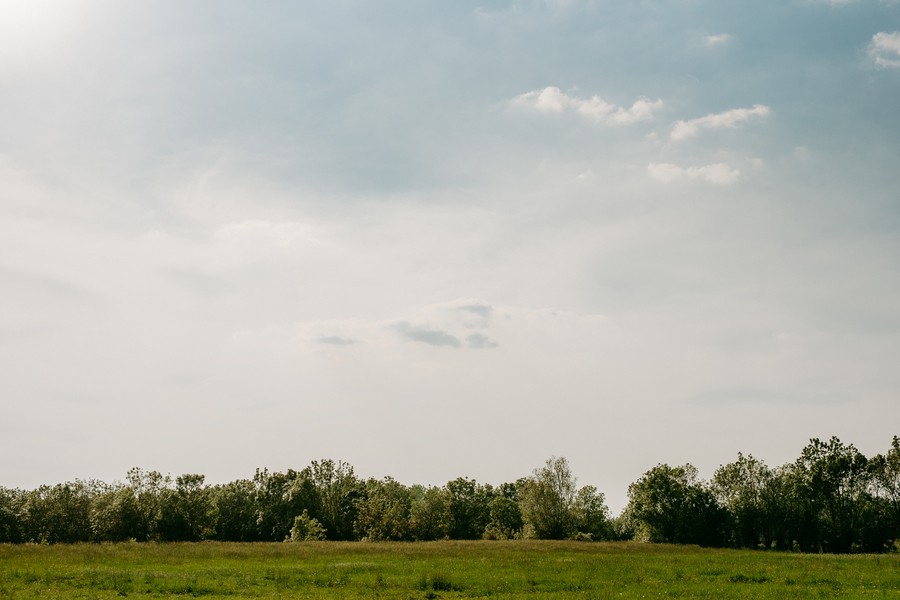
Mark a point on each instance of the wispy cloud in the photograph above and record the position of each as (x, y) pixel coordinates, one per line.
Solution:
(717, 174)
(478, 340)
(432, 337)
(885, 49)
(552, 100)
(718, 39)
(683, 130)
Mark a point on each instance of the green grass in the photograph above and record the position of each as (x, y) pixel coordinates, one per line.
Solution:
(521, 569)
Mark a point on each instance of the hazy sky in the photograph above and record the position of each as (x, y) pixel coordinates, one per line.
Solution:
(437, 239)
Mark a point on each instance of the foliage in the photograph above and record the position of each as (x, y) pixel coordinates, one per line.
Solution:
(382, 512)
(429, 514)
(307, 529)
(506, 520)
(235, 511)
(668, 504)
(469, 506)
(831, 499)
(337, 488)
(188, 513)
(548, 498)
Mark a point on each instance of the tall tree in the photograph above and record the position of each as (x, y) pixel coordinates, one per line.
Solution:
(836, 478)
(669, 504)
(470, 508)
(741, 488)
(383, 511)
(338, 488)
(548, 497)
(59, 514)
(146, 488)
(885, 472)
(429, 515)
(590, 515)
(188, 512)
(506, 515)
(11, 501)
(235, 511)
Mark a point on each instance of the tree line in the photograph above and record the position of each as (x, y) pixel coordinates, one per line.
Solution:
(831, 499)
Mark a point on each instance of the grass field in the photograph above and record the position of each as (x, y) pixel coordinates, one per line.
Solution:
(520, 569)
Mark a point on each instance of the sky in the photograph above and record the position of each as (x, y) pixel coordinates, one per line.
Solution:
(443, 239)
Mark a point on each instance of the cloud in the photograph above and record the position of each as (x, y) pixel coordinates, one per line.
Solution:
(717, 174)
(477, 340)
(432, 337)
(551, 100)
(682, 130)
(718, 39)
(885, 49)
(482, 310)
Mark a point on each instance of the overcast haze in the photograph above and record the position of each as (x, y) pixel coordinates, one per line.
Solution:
(441, 239)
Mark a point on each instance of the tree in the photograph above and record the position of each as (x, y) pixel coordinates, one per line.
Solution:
(590, 515)
(382, 512)
(548, 498)
(505, 513)
(279, 497)
(146, 488)
(429, 514)
(58, 514)
(741, 488)
(836, 480)
(885, 477)
(307, 529)
(187, 512)
(11, 501)
(469, 505)
(235, 511)
(668, 504)
(114, 514)
(337, 489)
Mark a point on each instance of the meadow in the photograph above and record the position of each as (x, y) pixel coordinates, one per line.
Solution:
(448, 569)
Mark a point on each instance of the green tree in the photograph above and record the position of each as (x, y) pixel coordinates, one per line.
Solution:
(885, 476)
(11, 502)
(307, 529)
(337, 488)
(279, 498)
(429, 515)
(505, 513)
(235, 511)
(742, 488)
(58, 514)
(114, 514)
(669, 504)
(469, 504)
(548, 499)
(590, 515)
(836, 479)
(382, 512)
(147, 489)
(188, 512)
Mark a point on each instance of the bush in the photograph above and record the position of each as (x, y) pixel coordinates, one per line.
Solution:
(307, 529)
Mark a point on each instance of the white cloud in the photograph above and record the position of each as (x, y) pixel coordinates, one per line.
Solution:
(552, 100)
(718, 39)
(718, 173)
(682, 130)
(885, 49)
